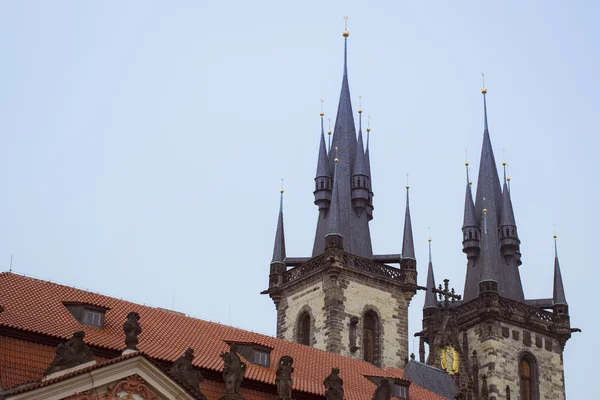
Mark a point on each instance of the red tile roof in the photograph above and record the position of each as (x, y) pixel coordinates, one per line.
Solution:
(37, 306)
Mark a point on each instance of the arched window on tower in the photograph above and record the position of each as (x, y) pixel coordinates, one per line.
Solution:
(528, 378)
(370, 337)
(304, 329)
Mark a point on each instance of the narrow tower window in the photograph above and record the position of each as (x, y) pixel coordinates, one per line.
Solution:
(369, 337)
(528, 379)
(304, 329)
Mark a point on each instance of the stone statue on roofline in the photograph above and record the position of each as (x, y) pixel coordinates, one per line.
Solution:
(283, 379)
(183, 369)
(334, 385)
(70, 354)
(233, 372)
(383, 391)
(132, 329)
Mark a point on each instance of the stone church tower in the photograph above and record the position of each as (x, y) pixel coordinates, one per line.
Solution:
(496, 343)
(344, 299)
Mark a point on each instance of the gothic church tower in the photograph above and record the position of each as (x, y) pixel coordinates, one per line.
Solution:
(344, 299)
(497, 344)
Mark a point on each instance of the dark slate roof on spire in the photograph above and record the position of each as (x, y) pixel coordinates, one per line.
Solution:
(490, 263)
(323, 160)
(408, 246)
(507, 215)
(279, 247)
(558, 295)
(352, 226)
(368, 161)
(359, 163)
(333, 223)
(429, 295)
(470, 217)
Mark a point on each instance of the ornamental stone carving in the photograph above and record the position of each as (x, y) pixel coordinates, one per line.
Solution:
(70, 354)
(233, 372)
(183, 369)
(132, 329)
(283, 379)
(334, 385)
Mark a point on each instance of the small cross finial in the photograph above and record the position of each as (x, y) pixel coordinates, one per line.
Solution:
(281, 189)
(446, 294)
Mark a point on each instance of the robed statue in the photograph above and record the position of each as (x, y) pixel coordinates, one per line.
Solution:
(184, 369)
(70, 354)
(383, 390)
(283, 379)
(233, 370)
(334, 389)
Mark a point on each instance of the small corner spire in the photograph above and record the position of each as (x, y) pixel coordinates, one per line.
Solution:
(333, 226)
(329, 135)
(558, 292)
(279, 246)
(430, 301)
(408, 246)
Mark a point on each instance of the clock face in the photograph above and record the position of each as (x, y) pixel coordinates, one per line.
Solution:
(449, 360)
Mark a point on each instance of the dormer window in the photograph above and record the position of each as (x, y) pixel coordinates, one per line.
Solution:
(92, 318)
(87, 314)
(254, 353)
(260, 357)
(398, 387)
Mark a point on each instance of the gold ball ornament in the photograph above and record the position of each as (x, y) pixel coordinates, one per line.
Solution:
(329, 132)
(360, 110)
(321, 113)
(485, 210)
(368, 129)
(336, 159)
(483, 90)
(346, 33)
(281, 191)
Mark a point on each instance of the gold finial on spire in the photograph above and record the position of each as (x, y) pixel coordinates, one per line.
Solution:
(407, 185)
(281, 189)
(346, 33)
(322, 113)
(503, 157)
(329, 130)
(360, 104)
(554, 236)
(336, 155)
(369, 123)
(466, 157)
(483, 88)
(429, 238)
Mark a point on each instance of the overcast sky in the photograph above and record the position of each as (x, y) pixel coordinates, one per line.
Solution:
(143, 142)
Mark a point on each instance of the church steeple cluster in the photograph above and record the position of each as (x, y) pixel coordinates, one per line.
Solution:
(490, 238)
(353, 175)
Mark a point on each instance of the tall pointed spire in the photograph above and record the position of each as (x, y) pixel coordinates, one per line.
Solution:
(558, 293)
(408, 246)
(352, 225)
(430, 301)
(279, 247)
